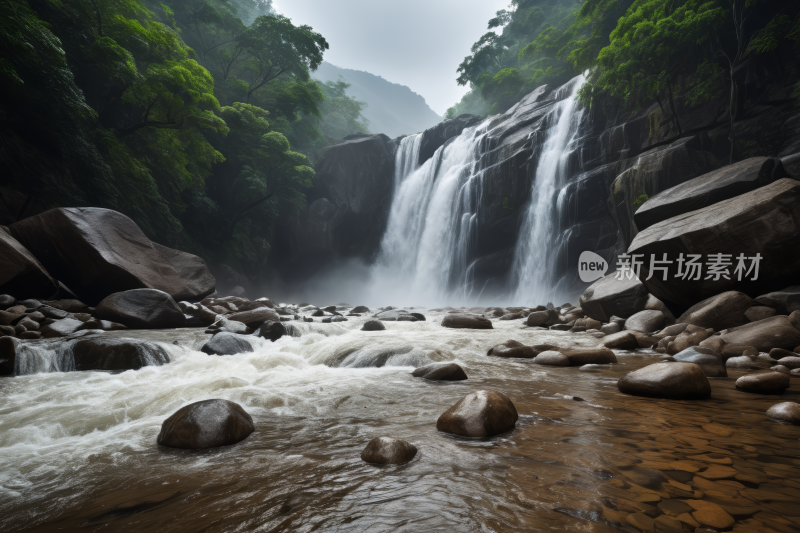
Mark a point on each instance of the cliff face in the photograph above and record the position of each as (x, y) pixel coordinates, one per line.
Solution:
(618, 159)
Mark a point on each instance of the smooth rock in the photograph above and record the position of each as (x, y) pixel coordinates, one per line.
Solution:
(6, 301)
(791, 362)
(589, 356)
(103, 353)
(551, 358)
(30, 335)
(784, 301)
(610, 328)
(705, 358)
(227, 343)
(467, 322)
(271, 330)
(772, 382)
(746, 362)
(646, 321)
(8, 355)
(253, 318)
(512, 349)
(759, 312)
(373, 325)
(482, 413)
(360, 309)
(388, 451)
(675, 381)
(774, 332)
(69, 305)
(736, 350)
(782, 369)
(206, 424)
(545, 318)
(21, 273)
(61, 328)
(785, 412)
(231, 326)
(441, 372)
(722, 311)
(691, 336)
(141, 309)
(609, 297)
(711, 514)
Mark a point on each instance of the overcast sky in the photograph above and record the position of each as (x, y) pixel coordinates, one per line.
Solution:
(418, 43)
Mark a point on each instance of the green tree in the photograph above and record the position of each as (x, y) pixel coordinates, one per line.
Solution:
(340, 114)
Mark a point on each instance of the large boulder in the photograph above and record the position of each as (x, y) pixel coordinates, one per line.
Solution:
(441, 372)
(722, 184)
(785, 412)
(768, 383)
(764, 335)
(141, 309)
(674, 381)
(271, 330)
(388, 451)
(103, 353)
(227, 343)
(466, 321)
(764, 221)
(646, 321)
(706, 359)
(784, 301)
(435, 137)
(722, 311)
(482, 413)
(373, 325)
(97, 252)
(21, 274)
(512, 349)
(610, 296)
(206, 424)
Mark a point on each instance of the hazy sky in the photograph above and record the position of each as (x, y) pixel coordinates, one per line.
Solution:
(418, 43)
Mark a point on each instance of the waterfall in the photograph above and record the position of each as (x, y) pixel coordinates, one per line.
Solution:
(534, 270)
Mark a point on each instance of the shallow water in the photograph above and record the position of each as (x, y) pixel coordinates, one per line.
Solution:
(78, 450)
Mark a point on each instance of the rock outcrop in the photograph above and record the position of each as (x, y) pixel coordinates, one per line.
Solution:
(97, 252)
(206, 424)
(435, 137)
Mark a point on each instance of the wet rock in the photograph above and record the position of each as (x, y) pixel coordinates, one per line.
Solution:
(103, 353)
(28, 324)
(774, 332)
(512, 316)
(6, 301)
(551, 358)
(722, 311)
(97, 252)
(393, 315)
(30, 335)
(512, 349)
(388, 451)
(206, 424)
(543, 318)
(30, 304)
(271, 330)
(711, 514)
(706, 359)
(759, 312)
(441, 372)
(791, 362)
(464, 321)
(227, 343)
(61, 328)
(21, 274)
(610, 328)
(231, 326)
(589, 356)
(406, 318)
(266, 301)
(736, 350)
(201, 312)
(691, 336)
(746, 362)
(785, 412)
(785, 301)
(609, 297)
(782, 369)
(435, 137)
(419, 316)
(646, 321)
(740, 223)
(675, 381)
(772, 382)
(360, 309)
(623, 340)
(672, 331)
(69, 305)
(373, 325)
(561, 327)
(7, 318)
(37, 316)
(104, 325)
(8, 355)
(482, 413)
(141, 309)
(255, 317)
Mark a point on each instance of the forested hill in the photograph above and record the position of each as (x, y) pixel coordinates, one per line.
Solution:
(393, 109)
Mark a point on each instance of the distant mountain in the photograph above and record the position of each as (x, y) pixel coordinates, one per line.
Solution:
(394, 109)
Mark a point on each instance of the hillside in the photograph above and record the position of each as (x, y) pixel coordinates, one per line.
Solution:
(394, 109)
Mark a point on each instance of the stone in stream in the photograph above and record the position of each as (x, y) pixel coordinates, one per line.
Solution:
(706, 359)
(674, 381)
(611, 328)
(791, 362)
(8, 355)
(482, 413)
(231, 326)
(253, 318)
(419, 316)
(609, 296)
(722, 311)
(103, 353)
(464, 321)
(785, 412)
(782, 369)
(388, 451)
(710, 514)
(441, 372)
(360, 309)
(736, 350)
(61, 328)
(227, 343)
(551, 358)
(512, 349)
(785, 301)
(271, 330)
(373, 325)
(769, 383)
(623, 340)
(589, 356)
(206, 424)
(141, 309)
(773, 332)
(646, 321)
(747, 362)
(691, 336)
(543, 318)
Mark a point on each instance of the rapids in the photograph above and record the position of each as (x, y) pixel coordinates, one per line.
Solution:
(78, 449)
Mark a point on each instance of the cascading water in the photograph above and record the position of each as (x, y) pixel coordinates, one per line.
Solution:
(534, 272)
(431, 228)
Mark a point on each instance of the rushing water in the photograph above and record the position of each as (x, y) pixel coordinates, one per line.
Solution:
(534, 271)
(78, 449)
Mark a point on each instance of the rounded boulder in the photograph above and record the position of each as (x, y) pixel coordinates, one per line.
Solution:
(373, 325)
(482, 413)
(551, 358)
(388, 451)
(512, 349)
(206, 424)
(460, 321)
(141, 309)
(441, 372)
(785, 412)
(769, 383)
(674, 381)
(226, 343)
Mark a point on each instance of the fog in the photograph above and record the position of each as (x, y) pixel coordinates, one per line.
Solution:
(418, 43)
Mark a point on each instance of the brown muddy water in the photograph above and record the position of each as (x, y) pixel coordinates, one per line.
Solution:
(78, 450)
